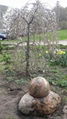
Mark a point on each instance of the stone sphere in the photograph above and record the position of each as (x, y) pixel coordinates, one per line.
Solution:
(39, 87)
(26, 104)
(46, 105)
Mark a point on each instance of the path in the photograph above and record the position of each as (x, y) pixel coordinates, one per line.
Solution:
(11, 44)
(63, 42)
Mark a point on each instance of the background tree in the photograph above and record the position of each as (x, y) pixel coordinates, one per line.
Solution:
(3, 10)
(61, 15)
(12, 22)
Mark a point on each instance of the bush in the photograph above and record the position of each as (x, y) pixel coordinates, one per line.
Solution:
(59, 59)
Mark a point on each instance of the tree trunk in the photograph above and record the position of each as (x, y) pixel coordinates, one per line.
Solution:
(28, 52)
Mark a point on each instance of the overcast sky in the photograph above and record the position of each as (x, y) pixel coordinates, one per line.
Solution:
(20, 3)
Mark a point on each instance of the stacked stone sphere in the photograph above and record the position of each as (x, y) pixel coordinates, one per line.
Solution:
(39, 87)
(39, 98)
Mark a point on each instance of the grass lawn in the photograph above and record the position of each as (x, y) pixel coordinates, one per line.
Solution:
(62, 34)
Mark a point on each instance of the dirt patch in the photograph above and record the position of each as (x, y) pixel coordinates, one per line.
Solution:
(10, 94)
(9, 98)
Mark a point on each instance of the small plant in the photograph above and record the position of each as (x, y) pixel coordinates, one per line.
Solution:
(60, 83)
(60, 52)
(1, 57)
(1, 47)
(7, 58)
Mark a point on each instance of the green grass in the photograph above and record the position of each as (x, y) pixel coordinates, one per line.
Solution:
(62, 34)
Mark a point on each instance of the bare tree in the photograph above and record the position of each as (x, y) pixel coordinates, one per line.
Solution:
(34, 20)
(28, 16)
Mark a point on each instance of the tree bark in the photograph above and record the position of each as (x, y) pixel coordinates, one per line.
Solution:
(28, 52)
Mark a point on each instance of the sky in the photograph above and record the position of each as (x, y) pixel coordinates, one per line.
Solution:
(21, 3)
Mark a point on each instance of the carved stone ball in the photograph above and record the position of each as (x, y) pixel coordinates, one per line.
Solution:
(26, 104)
(39, 87)
(46, 105)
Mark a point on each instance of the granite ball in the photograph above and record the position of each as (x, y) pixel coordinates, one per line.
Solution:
(39, 87)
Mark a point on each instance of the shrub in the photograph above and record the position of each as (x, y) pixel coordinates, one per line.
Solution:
(59, 59)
